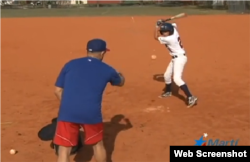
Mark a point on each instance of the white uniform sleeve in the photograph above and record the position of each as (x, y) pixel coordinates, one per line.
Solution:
(161, 40)
(175, 25)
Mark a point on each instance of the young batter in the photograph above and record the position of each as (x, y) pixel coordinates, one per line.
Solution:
(168, 35)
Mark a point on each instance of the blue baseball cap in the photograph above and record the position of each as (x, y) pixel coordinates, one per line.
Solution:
(97, 45)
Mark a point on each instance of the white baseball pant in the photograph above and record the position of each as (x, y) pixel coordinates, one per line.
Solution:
(175, 68)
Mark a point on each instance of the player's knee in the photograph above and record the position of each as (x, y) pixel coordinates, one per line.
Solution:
(64, 151)
(178, 81)
(99, 152)
(167, 77)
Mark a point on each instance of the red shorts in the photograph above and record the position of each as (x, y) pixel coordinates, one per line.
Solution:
(67, 134)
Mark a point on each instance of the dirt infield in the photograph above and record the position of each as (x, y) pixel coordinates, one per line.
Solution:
(35, 49)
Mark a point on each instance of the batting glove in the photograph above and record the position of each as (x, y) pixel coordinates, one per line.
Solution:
(158, 23)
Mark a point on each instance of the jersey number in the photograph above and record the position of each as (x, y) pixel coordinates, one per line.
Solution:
(179, 40)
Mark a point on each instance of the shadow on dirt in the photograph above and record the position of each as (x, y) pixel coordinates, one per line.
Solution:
(175, 88)
(111, 130)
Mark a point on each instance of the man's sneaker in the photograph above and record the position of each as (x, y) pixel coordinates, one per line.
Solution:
(165, 94)
(192, 101)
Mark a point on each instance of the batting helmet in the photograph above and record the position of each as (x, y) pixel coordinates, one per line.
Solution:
(167, 27)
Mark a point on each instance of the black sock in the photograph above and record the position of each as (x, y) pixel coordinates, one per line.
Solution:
(184, 87)
(168, 87)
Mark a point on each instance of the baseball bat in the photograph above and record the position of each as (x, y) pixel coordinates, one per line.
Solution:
(175, 17)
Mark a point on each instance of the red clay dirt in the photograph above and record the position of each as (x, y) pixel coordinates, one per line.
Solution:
(35, 49)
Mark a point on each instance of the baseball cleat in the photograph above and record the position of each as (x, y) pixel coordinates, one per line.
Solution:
(192, 101)
(165, 94)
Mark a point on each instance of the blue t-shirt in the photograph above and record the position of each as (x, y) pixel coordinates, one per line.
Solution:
(83, 81)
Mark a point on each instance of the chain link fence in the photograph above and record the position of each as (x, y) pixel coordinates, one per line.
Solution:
(238, 6)
(231, 6)
(91, 3)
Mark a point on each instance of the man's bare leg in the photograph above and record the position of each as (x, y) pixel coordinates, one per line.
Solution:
(63, 154)
(99, 152)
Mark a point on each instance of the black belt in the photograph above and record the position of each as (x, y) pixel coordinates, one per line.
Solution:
(175, 56)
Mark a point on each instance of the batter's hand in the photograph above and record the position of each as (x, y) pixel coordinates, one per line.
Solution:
(159, 23)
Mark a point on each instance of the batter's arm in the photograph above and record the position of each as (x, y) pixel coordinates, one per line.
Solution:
(157, 33)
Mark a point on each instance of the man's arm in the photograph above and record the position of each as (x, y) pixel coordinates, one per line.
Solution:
(58, 92)
(59, 85)
(117, 79)
(122, 79)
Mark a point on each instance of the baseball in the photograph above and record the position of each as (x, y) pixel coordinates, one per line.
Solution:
(153, 57)
(12, 151)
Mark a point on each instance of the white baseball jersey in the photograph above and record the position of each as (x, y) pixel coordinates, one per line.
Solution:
(173, 42)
